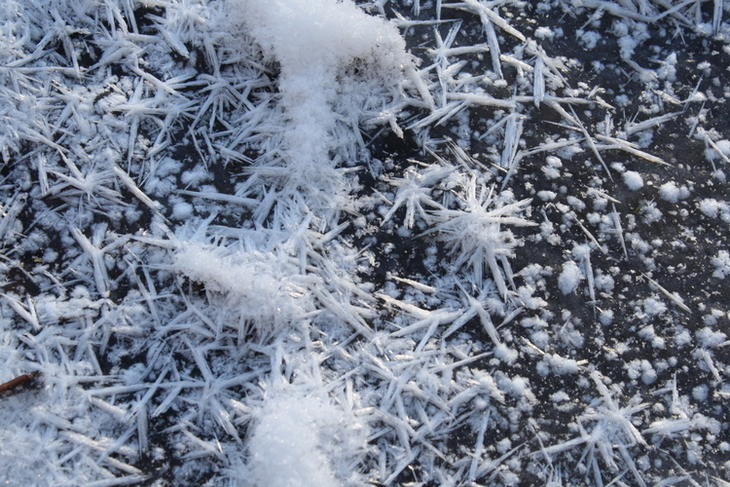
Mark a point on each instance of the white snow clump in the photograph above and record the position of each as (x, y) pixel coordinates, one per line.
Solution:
(299, 441)
(265, 288)
(722, 264)
(673, 193)
(314, 42)
(570, 277)
(633, 180)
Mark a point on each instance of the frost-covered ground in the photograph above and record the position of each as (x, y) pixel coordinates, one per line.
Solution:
(313, 243)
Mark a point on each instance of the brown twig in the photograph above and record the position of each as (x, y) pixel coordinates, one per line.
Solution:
(18, 381)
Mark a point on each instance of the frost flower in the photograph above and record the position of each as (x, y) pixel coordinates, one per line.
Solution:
(477, 236)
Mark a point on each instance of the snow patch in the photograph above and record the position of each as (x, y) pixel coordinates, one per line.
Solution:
(299, 440)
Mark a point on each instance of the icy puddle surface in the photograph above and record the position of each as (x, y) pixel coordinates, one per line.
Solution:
(405, 243)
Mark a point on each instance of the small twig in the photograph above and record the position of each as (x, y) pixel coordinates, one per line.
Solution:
(14, 384)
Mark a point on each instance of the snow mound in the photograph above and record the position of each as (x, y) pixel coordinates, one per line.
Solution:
(299, 441)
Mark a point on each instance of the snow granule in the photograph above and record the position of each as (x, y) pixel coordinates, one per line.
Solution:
(544, 33)
(650, 212)
(648, 334)
(699, 393)
(540, 338)
(560, 396)
(627, 44)
(654, 306)
(671, 192)
(589, 39)
(642, 369)
(503, 445)
(722, 264)
(712, 207)
(570, 277)
(561, 365)
(606, 317)
(633, 180)
(712, 318)
(576, 203)
(554, 161)
(619, 28)
(682, 338)
(604, 282)
(506, 354)
(708, 338)
(182, 211)
(546, 195)
(622, 100)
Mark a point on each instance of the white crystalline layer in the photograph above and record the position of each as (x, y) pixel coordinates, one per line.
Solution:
(334, 67)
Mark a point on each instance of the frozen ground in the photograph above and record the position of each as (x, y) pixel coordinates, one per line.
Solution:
(308, 243)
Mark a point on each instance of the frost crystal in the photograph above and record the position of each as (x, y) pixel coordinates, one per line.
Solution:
(570, 277)
(476, 234)
(722, 264)
(633, 180)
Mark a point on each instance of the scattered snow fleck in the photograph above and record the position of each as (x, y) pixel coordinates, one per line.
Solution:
(709, 338)
(633, 180)
(671, 192)
(722, 264)
(654, 306)
(570, 277)
(182, 210)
